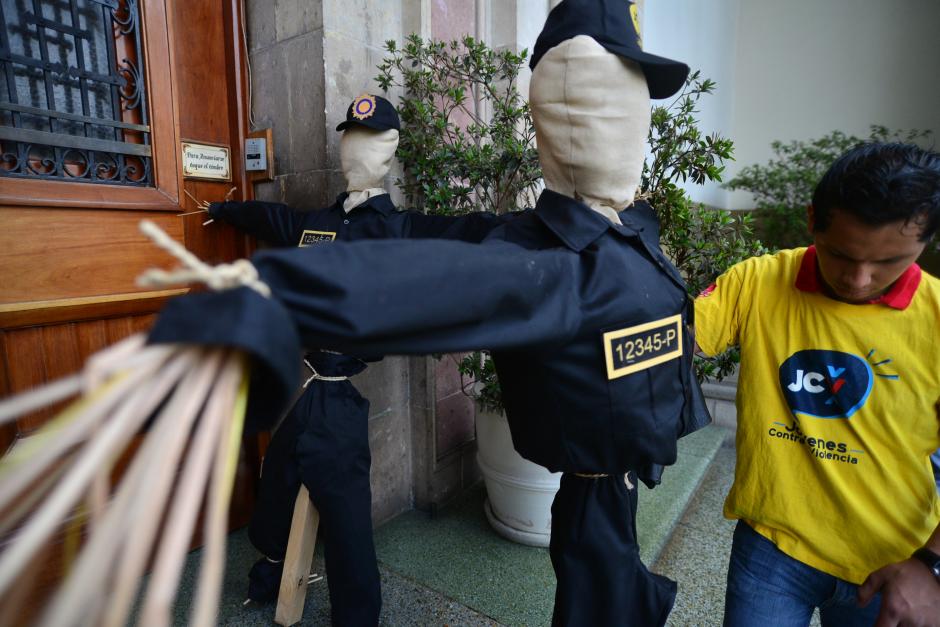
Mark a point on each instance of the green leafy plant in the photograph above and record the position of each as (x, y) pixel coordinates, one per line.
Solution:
(479, 380)
(783, 187)
(702, 242)
(456, 159)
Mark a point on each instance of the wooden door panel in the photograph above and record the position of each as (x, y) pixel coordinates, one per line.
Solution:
(91, 336)
(69, 253)
(203, 94)
(37, 313)
(35, 355)
(25, 369)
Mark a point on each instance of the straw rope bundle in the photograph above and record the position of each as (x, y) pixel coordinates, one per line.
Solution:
(188, 402)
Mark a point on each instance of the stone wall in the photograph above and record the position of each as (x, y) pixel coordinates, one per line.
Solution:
(285, 51)
(720, 399)
(309, 59)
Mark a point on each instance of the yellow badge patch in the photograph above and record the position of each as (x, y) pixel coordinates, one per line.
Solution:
(309, 238)
(363, 107)
(635, 16)
(642, 346)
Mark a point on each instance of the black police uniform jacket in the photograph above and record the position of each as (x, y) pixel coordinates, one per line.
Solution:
(588, 321)
(376, 218)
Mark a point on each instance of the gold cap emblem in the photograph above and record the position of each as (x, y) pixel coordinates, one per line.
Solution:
(363, 107)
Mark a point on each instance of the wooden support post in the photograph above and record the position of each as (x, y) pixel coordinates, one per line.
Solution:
(297, 561)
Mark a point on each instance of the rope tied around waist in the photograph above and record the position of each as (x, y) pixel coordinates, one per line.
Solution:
(221, 277)
(319, 377)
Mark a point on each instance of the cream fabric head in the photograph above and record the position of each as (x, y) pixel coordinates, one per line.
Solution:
(591, 110)
(366, 156)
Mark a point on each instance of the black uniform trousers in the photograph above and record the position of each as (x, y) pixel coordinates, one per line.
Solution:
(323, 443)
(594, 551)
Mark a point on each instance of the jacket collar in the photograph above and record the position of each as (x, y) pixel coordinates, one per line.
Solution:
(381, 203)
(574, 223)
(899, 296)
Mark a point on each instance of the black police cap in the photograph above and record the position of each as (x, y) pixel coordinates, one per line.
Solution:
(611, 24)
(372, 112)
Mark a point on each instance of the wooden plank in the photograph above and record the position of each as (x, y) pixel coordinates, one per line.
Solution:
(60, 351)
(37, 313)
(7, 431)
(51, 254)
(92, 336)
(26, 359)
(201, 81)
(297, 560)
(33, 356)
(41, 193)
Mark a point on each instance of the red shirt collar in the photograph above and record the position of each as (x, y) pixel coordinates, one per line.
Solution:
(898, 297)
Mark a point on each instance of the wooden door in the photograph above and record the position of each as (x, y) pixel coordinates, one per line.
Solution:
(96, 98)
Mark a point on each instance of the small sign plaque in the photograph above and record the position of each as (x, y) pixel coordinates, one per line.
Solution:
(204, 161)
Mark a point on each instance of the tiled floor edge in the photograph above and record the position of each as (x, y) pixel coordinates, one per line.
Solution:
(691, 481)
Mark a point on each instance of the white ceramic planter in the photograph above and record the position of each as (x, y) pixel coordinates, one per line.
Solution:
(519, 493)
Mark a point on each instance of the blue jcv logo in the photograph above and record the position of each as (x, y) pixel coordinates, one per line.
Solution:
(825, 384)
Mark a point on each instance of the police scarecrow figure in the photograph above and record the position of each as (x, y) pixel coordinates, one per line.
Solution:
(590, 98)
(323, 442)
(587, 320)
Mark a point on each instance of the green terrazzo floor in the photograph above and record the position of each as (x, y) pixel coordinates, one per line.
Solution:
(661, 508)
(405, 603)
(453, 569)
(457, 554)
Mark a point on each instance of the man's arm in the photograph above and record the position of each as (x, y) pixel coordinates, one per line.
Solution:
(275, 223)
(910, 593)
(717, 317)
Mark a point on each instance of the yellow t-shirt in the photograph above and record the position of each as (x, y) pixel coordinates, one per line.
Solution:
(837, 415)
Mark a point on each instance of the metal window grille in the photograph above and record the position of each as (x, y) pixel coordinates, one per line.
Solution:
(73, 103)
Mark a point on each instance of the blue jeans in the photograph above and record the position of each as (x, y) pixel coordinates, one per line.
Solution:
(767, 587)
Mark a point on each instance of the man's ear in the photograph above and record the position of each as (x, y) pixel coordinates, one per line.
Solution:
(810, 218)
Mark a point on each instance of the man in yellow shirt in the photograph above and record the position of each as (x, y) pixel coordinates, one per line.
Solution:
(838, 404)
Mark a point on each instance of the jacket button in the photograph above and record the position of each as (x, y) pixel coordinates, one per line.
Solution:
(345, 221)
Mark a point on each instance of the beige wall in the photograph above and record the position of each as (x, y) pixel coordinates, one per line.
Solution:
(808, 67)
(802, 68)
(704, 35)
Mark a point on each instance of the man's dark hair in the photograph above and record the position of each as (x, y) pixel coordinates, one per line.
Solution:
(879, 183)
